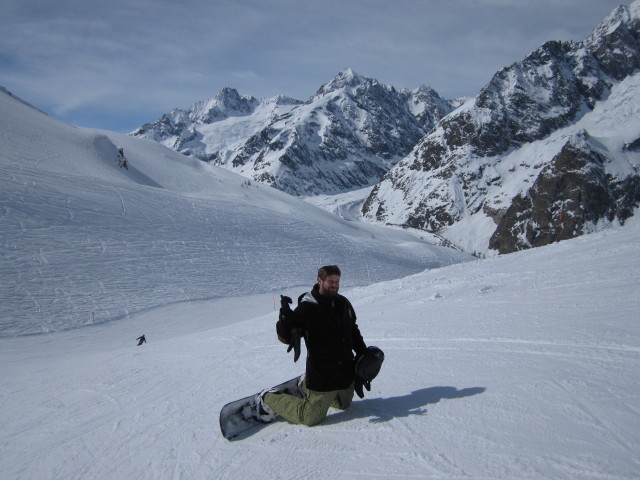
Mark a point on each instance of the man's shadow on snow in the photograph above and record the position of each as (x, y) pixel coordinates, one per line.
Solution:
(385, 409)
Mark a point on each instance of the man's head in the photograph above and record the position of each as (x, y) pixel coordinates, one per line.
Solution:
(329, 280)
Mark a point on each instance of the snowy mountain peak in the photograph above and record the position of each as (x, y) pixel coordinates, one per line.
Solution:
(281, 100)
(345, 79)
(614, 43)
(345, 137)
(622, 15)
(228, 102)
(427, 105)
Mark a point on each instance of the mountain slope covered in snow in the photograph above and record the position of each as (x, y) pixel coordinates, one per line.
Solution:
(90, 216)
(546, 151)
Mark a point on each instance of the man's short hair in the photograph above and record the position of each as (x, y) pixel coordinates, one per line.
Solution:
(324, 272)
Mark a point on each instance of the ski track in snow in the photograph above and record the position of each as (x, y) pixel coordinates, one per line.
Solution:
(511, 381)
(121, 239)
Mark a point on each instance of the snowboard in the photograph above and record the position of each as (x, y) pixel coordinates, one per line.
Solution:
(239, 417)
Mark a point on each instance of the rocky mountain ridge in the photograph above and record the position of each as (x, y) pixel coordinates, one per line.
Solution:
(346, 136)
(581, 177)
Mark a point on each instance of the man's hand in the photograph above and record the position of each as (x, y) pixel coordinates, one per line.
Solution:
(286, 319)
(285, 309)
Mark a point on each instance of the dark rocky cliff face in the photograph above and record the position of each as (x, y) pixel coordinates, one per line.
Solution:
(571, 193)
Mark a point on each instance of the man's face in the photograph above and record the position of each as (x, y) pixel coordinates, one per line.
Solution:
(329, 286)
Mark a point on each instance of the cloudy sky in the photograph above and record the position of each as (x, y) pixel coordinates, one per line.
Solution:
(117, 64)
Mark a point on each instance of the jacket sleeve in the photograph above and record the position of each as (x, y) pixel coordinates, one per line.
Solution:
(358, 342)
(284, 332)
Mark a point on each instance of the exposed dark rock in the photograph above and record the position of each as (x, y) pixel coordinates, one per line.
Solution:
(573, 191)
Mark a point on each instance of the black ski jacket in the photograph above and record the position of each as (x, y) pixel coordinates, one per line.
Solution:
(331, 336)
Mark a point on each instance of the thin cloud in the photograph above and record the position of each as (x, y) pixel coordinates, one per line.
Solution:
(121, 63)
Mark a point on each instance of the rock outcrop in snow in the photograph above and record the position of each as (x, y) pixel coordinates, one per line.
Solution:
(572, 193)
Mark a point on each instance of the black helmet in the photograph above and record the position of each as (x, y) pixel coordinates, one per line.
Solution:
(369, 363)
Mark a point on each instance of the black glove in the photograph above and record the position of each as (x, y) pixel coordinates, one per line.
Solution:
(359, 383)
(296, 335)
(285, 309)
(286, 318)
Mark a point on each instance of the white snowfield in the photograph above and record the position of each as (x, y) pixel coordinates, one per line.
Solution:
(517, 367)
(84, 241)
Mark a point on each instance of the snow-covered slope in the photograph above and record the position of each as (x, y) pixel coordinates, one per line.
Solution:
(523, 366)
(85, 240)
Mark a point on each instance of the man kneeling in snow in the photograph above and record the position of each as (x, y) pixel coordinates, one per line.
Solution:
(327, 321)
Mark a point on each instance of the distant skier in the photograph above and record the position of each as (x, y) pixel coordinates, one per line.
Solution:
(141, 340)
(327, 322)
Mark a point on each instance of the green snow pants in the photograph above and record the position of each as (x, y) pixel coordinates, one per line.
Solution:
(311, 409)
